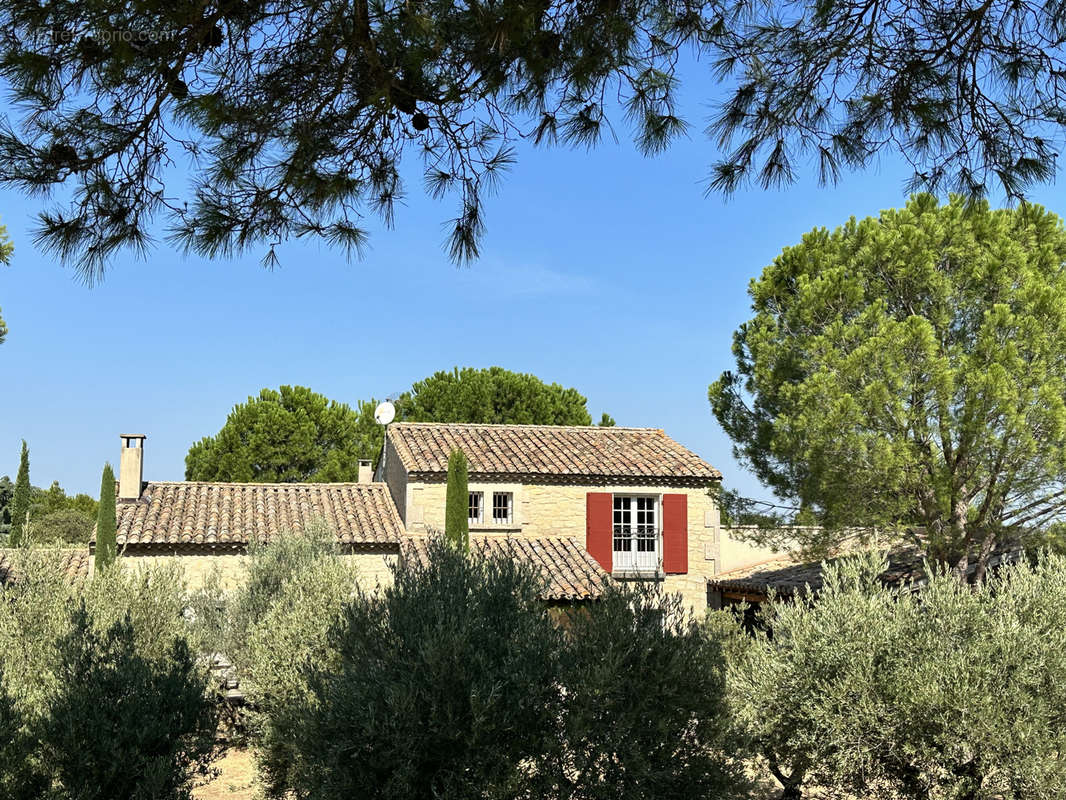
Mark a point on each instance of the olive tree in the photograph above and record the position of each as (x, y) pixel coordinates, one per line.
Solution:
(956, 692)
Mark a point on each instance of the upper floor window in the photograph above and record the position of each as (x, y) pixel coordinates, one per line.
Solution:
(636, 533)
(476, 513)
(500, 512)
(502, 508)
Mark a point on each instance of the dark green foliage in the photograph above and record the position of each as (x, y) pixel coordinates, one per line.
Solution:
(53, 499)
(106, 525)
(491, 396)
(295, 117)
(20, 500)
(60, 527)
(53, 516)
(289, 435)
(298, 435)
(645, 713)
(444, 686)
(21, 777)
(457, 503)
(455, 683)
(124, 726)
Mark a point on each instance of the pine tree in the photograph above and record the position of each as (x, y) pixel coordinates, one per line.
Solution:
(457, 507)
(20, 501)
(106, 547)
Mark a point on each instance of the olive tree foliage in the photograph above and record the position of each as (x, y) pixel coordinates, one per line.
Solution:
(295, 118)
(645, 712)
(906, 373)
(289, 435)
(443, 684)
(954, 693)
(100, 686)
(271, 625)
(454, 682)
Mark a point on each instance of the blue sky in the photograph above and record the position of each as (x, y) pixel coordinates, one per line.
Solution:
(602, 270)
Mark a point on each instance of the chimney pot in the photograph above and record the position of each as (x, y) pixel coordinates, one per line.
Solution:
(131, 466)
(366, 471)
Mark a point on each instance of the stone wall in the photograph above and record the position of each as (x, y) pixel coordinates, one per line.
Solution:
(558, 509)
(372, 569)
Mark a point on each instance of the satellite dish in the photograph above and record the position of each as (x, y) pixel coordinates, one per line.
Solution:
(385, 413)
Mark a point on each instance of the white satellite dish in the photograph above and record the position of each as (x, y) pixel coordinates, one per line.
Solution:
(385, 413)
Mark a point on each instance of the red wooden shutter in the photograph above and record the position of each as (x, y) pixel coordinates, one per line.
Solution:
(675, 533)
(598, 528)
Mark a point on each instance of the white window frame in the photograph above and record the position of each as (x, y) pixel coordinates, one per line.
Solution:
(480, 518)
(508, 521)
(487, 491)
(627, 561)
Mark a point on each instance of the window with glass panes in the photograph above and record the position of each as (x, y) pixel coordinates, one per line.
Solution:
(636, 532)
(502, 508)
(476, 513)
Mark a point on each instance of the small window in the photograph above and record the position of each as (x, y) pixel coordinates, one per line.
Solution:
(502, 508)
(476, 513)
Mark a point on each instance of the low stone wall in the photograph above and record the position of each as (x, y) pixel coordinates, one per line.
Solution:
(372, 568)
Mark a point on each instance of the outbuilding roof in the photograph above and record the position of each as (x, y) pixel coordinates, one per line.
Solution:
(191, 513)
(71, 563)
(787, 577)
(570, 573)
(548, 450)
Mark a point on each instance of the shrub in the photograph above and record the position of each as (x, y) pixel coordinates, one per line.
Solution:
(101, 680)
(959, 692)
(21, 776)
(443, 685)
(280, 647)
(36, 609)
(124, 725)
(645, 712)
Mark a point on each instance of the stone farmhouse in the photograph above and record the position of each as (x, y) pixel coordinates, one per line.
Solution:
(579, 502)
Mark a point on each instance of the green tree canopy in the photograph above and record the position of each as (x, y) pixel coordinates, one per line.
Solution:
(289, 435)
(296, 434)
(907, 372)
(294, 118)
(492, 396)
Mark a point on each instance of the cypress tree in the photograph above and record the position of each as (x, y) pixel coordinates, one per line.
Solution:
(20, 500)
(457, 508)
(106, 548)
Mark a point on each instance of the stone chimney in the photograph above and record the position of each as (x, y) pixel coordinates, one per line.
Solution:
(366, 471)
(131, 466)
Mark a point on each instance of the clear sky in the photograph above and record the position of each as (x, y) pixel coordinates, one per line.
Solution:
(602, 270)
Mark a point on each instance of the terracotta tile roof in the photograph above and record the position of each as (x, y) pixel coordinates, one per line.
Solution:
(231, 514)
(570, 572)
(787, 577)
(424, 447)
(72, 563)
